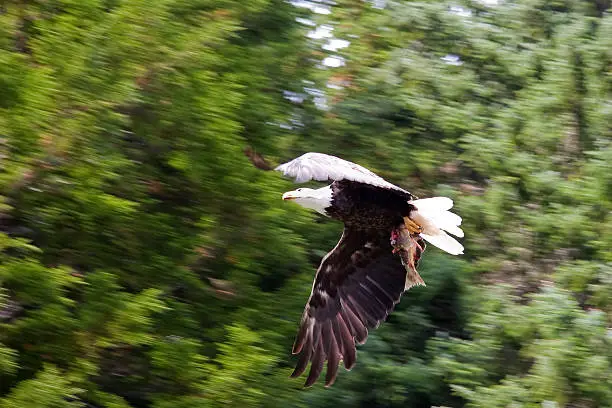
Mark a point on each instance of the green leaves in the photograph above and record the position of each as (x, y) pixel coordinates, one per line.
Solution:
(8, 361)
(49, 389)
(548, 339)
(34, 285)
(133, 320)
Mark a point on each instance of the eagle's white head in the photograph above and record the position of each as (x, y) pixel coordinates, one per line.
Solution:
(315, 199)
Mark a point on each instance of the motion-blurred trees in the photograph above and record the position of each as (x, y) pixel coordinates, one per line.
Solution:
(131, 212)
(148, 261)
(507, 109)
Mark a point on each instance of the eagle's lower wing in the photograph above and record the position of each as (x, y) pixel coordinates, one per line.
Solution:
(357, 285)
(323, 167)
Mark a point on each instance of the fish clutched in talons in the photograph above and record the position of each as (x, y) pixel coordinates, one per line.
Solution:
(406, 242)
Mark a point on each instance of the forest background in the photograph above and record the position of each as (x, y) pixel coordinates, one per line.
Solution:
(148, 261)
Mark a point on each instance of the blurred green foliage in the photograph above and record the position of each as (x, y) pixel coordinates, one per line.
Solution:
(147, 261)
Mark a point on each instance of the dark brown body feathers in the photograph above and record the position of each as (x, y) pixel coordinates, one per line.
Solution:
(361, 205)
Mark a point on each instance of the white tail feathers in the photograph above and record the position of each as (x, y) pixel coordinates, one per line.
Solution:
(433, 216)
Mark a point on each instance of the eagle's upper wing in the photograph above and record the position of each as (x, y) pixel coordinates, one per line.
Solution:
(323, 167)
(357, 285)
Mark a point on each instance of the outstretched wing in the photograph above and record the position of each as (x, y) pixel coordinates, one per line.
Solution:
(323, 167)
(356, 286)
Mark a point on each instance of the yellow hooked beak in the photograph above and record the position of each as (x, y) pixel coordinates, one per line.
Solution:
(289, 196)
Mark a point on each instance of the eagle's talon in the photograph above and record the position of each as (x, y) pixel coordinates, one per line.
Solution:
(412, 226)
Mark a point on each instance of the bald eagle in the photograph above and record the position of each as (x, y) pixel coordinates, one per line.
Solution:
(359, 282)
